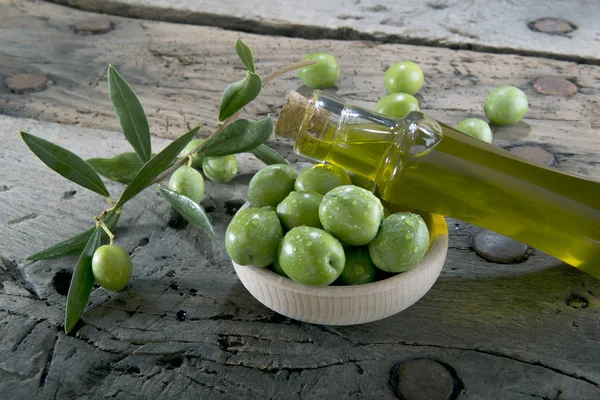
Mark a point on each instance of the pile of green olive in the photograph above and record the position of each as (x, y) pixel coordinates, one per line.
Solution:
(318, 229)
(505, 105)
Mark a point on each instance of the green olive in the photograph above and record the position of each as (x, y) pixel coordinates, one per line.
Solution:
(477, 128)
(505, 105)
(403, 77)
(220, 169)
(112, 267)
(321, 75)
(352, 214)
(188, 182)
(270, 185)
(311, 256)
(196, 159)
(321, 178)
(397, 105)
(276, 266)
(270, 208)
(253, 237)
(300, 209)
(401, 243)
(359, 268)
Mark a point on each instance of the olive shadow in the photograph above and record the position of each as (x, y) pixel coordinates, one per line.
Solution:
(243, 178)
(511, 133)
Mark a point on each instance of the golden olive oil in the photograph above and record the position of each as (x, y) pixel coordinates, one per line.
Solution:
(458, 176)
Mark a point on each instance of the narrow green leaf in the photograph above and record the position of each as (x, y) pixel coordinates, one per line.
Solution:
(154, 167)
(121, 168)
(238, 94)
(189, 209)
(267, 155)
(66, 163)
(130, 113)
(75, 244)
(245, 54)
(82, 282)
(240, 136)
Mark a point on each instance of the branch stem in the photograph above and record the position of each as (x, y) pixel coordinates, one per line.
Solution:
(229, 120)
(287, 69)
(108, 232)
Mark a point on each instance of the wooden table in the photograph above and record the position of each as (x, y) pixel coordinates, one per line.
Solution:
(518, 331)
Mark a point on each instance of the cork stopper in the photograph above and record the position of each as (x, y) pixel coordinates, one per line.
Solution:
(295, 110)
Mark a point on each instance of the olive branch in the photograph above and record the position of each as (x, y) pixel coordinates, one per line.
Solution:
(141, 168)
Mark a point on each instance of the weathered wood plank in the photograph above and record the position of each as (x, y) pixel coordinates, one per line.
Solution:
(497, 26)
(510, 331)
(516, 337)
(180, 71)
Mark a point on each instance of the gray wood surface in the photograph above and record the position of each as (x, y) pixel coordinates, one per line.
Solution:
(497, 25)
(513, 337)
(180, 71)
(517, 331)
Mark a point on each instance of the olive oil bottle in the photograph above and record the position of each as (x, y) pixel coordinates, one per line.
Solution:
(419, 163)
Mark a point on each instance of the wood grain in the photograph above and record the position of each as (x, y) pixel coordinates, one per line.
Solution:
(180, 71)
(509, 331)
(517, 331)
(497, 26)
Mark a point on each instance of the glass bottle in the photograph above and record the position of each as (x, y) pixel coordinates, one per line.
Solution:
(421, 164)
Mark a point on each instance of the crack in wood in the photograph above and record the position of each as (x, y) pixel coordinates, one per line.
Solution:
(277, 369)
(204, 385)
(22, 219)
(48, 364)
(5, 371)
(11, 267)
(25, 335)
(206, 371)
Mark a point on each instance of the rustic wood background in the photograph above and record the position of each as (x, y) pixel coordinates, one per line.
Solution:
(519, 331)
(499, 26)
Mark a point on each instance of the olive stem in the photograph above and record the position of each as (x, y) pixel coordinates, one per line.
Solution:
(108, 232)
(104, 213)
(189, 163)
(287, 69)
(100, 217)
(229, 120)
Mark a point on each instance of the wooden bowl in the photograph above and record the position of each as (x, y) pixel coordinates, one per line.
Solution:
(350, 305)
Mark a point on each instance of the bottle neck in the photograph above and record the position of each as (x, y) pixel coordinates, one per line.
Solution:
(360, 140)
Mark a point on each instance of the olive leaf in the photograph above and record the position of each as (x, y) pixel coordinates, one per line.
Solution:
(130, 113)
(239, 94)
(267, 155)
(245, 54)
(66, 163)
(188, 209)
(239, 136)
(76, 243)
(82, 282)
(154, 167)
(121, 168)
